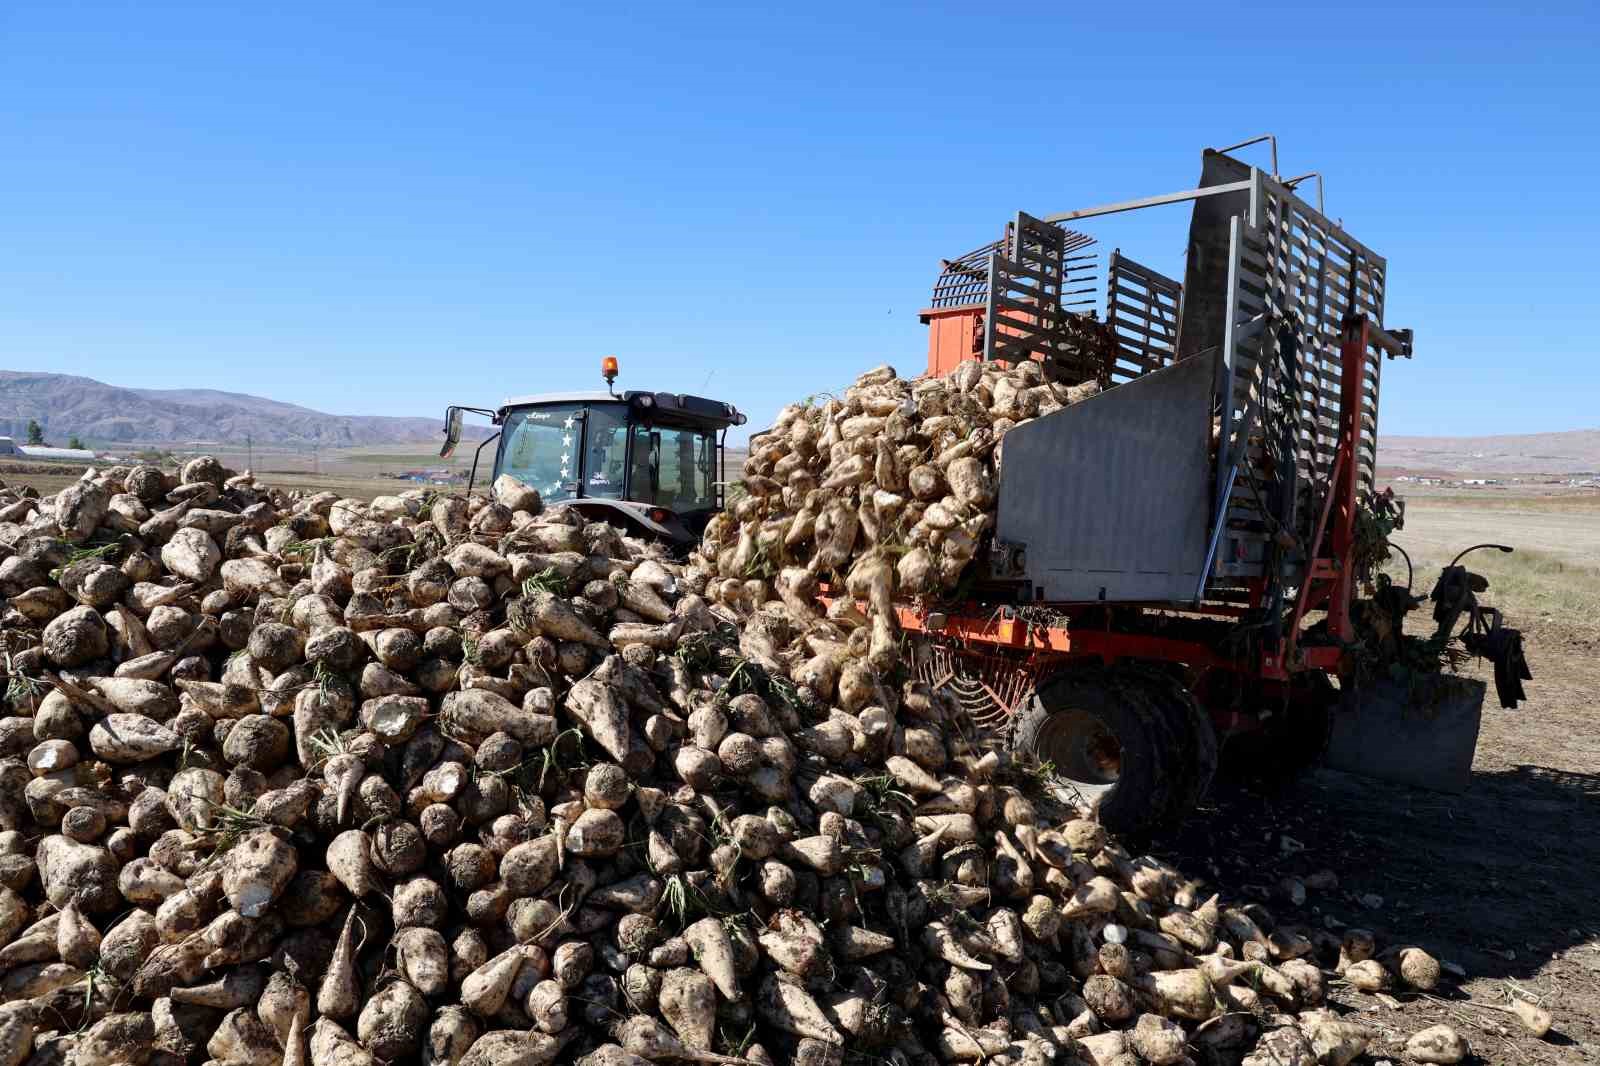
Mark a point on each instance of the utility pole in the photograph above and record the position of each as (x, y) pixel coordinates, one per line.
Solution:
(250, 450)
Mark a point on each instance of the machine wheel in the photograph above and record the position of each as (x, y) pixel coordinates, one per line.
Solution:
(1107, 744)
(1196, 744)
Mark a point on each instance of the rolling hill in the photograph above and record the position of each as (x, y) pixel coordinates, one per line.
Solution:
(101, 414)
(68, 406)
(1575, 451)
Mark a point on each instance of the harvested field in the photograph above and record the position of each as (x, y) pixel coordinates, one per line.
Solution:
(1499, 880)
(356, 474)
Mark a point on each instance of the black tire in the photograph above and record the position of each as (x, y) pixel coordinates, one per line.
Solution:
(1106, 743)
(1196, 752)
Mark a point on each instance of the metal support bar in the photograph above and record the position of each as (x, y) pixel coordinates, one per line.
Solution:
(1217, 522)
(1224, 491)
(473, 477)
(1271, 139)
(1337, 519)
(1358, 337)
(1303, 600)
(1396, 344)
(1225, 374)
(1290, 183)
(1150, 201)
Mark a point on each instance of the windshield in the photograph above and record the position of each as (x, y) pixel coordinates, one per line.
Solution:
(540, 449)
(673, 468)
(666, 466)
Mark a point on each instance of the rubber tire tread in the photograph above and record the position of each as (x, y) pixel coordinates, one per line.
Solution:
(1197, 747)
(1139, 800)
(1136, 687)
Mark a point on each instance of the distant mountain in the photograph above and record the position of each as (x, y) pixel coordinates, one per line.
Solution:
(68, 406)
(1570, 452)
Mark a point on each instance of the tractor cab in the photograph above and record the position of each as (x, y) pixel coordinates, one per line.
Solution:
(649, 462)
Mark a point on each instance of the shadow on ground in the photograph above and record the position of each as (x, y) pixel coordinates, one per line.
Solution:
(1496, 879)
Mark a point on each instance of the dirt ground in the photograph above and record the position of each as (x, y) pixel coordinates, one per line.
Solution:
(1500, 881)
(358, 479)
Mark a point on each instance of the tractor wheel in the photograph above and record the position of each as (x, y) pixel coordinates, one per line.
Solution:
(1196, 744)
(1106, 744)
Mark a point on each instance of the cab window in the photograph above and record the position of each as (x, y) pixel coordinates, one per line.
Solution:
(673, 468)
(541, 449)
(606, 451)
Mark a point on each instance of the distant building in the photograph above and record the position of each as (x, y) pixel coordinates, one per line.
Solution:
(8, 446)
(34, 451)
(430, 476)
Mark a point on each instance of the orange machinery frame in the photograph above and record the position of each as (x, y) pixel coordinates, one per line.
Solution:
(1329, 584)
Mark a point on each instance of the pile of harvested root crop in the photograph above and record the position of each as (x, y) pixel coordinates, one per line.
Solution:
(890, 487)
(302, 779)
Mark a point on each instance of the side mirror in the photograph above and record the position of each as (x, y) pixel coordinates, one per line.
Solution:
(452, 431)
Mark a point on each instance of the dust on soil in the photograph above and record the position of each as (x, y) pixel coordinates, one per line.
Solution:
(1500, 881)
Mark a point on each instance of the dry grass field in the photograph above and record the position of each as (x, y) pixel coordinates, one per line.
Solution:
(363, 473)
(1551, 578)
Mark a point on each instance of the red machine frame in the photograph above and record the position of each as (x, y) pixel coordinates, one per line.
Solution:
(1091, 632)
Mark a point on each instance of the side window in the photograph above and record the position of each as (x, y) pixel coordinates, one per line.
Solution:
(645, 484)
(678, 468)
(605, 463)
(672, 468)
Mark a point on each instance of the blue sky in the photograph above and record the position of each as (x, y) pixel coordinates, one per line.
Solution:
(380, 208)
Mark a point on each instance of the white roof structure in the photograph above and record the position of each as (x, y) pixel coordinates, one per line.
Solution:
(34, 451)
(581, 396)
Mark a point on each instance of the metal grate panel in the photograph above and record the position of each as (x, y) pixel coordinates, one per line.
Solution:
(1293, 277)
(964, 281)
(1142, 310)
(1034, 283)
(990, 687)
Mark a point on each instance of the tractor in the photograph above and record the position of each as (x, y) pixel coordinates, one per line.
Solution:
(650, 463)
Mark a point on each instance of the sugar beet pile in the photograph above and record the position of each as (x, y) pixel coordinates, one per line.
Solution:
(891, 487)
(294, 778)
